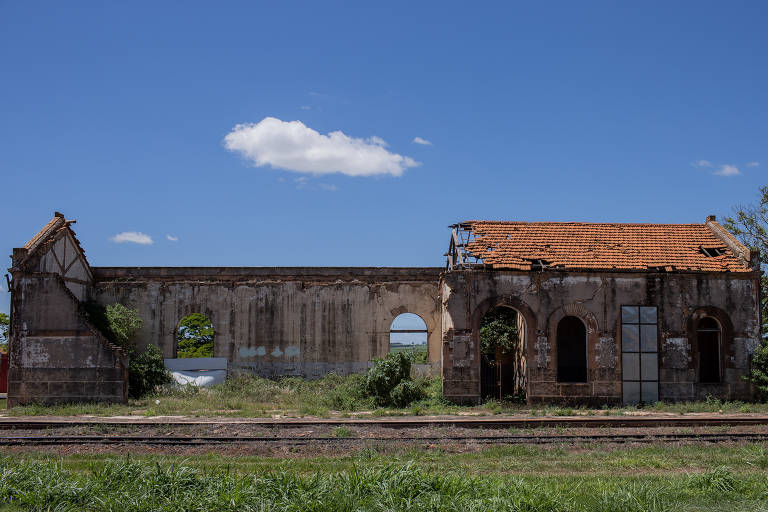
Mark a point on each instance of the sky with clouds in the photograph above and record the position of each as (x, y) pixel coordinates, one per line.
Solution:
(247, 133)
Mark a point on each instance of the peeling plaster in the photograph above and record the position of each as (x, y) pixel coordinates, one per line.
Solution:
(542, 351)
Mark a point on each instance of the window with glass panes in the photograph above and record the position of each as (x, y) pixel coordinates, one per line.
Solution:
(639, 354)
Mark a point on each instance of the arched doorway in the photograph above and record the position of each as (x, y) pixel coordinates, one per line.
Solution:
(502, 355)
(571, 350)
(194, 337)
(408, 333)
(708, 336)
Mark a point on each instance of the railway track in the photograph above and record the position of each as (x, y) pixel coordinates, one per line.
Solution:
(10, 423)
(298, 441)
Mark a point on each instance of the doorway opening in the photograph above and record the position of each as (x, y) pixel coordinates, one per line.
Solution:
(709, 334)
(502, 355)
(571, 350)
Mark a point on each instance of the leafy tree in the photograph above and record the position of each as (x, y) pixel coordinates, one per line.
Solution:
(195, 337)
(5, 324)
(498, 329)
(750, 225)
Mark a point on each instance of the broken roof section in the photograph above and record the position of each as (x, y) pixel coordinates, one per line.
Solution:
(531, 246)
(43, 238)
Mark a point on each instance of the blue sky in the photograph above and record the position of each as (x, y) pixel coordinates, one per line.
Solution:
(118, 114)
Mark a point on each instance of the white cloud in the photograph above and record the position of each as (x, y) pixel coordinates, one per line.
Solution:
(702, 163)
(423, 142)
(302, 182)
(727, 170)
(295, 147)
(134, 237)
(172, 238)
(753, 164)
(305, 107)
(378, 141)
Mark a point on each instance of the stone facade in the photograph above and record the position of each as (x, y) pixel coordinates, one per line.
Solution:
(544, 298)
(309, 321)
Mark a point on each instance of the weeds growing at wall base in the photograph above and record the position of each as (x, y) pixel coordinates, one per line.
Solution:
(335, 395)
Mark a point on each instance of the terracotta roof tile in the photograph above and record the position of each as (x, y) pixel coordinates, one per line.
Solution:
(603, 246)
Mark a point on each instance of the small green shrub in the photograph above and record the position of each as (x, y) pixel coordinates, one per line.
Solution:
(342, 432)
(405, 393)
(385, 374)
(146, 372)
(759, 373)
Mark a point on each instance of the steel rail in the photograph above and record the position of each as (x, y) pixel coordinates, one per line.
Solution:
(7, 423)
(513, 439)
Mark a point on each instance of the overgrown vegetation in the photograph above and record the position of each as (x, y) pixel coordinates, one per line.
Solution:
(119, 324)
(195, 337)
(341, 396)
(385, 374)
(4, 326)
(434, 481)
(750, 225)
(146, 372)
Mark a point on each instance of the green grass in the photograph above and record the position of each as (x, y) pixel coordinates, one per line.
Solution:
(649, 478)
(334, 395)
(417, 353)
(529, 460)
(342, 432)
(250, 396)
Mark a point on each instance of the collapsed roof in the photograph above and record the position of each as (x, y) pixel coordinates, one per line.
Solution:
(586, 246)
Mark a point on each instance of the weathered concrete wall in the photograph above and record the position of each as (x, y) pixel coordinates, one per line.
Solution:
(305, 321)
(56, 355)
(546, 297)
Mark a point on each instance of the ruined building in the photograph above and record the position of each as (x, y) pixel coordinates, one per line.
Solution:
(606, 313)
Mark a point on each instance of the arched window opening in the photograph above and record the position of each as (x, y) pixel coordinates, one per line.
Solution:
(708, 334)
(408, 333)
(502, 355)
(194, 337)
(571, 350)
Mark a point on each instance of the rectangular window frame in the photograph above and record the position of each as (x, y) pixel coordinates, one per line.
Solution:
(647, 389)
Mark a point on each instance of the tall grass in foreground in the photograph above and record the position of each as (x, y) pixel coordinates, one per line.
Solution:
(137, 486)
